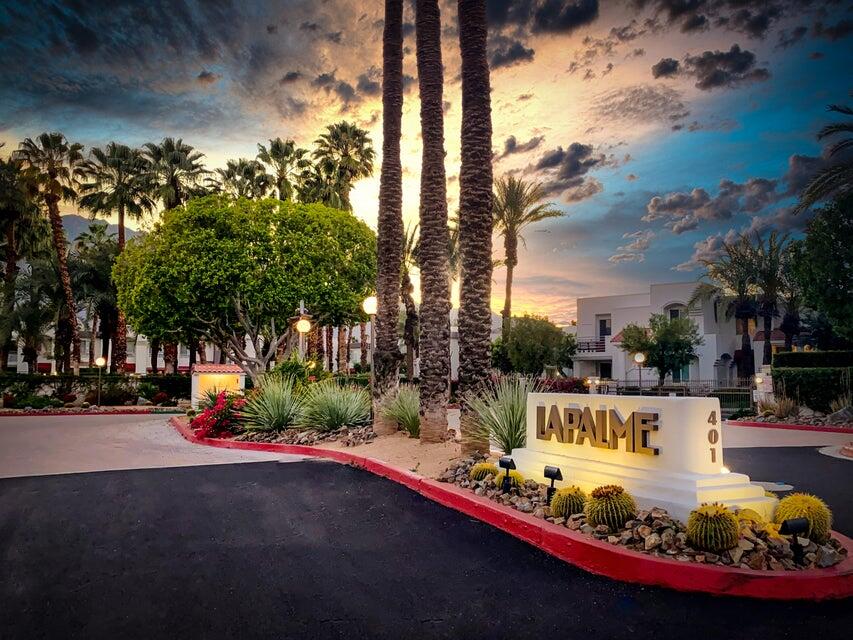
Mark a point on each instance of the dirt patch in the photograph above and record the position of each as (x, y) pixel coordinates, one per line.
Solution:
(408, 453)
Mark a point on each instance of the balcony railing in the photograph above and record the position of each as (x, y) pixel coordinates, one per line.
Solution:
(591, 345)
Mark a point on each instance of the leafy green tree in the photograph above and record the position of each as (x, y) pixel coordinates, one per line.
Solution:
(35, 310)
(287, 162)
(537, 343)
(824, 265)
(669, 344)
(228, 270)
(517, 204)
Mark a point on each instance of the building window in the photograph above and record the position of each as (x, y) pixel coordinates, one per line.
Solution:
(604, 327)
(682, 375)
(605, 370)
(676, 311)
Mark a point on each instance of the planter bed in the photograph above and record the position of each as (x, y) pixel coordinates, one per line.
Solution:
(597, 556)
(104, 411)
(848, 428)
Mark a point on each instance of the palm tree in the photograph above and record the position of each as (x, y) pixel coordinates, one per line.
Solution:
(407, 289)
(792, 295)
(768, 261)
(475, 211)
(434, 240)
(34, 311)
(245, 179)
(728, 282)
(55, 165)
(117, 180)
(24, 233)
(91, 265)
(344, 154)
(515, 207)
(176, 171)
(287, 161)
(837, 178)
(389, 247)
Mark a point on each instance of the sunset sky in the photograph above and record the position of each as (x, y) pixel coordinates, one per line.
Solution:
(658, 126)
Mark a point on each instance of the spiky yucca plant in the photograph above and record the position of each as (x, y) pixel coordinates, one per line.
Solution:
(812, 508)
(515, 478)
(712, 527)
(403, 409)
(610, 505)
(567, 501)
(480, 470)
(500, 412)
(275, 405)
(329, 406)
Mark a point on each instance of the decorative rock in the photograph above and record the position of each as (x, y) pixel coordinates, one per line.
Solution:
(587, 529)
(644, 531)
(745, 545)
(559, 521)
(602, 529)
(539, 512)
(652, 541)
(827, 556)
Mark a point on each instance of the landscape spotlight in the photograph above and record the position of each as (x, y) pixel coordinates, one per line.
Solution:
(794, 527)
(508, 464)
(552, 473)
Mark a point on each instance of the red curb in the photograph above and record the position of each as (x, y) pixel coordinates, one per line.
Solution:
(84, 412)
(592, 555)
(794, 427)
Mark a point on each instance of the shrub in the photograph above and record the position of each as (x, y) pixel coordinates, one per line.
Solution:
(69, 397)
(329, 407)
(782, 407)
(515, 478)
(147, 389)
(403, 409)
(712, 527)
(160, 397)
(812, 508)
(208, 399)
(301, 372)
(37, 402)
(220, 419)
(273, 406)
(815, 388)
(482, 469)
(567, 501)
(610, 505)
(500, 412)
(841, 402)
(813, 359)
(565, 385)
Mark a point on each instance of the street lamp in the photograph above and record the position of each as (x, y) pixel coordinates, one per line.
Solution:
(100, 362)
(369, 306)
(303, 326)
(640, 358)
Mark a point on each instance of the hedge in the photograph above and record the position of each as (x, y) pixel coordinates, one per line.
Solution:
(176, 386)
(815, 388)
(813, 359)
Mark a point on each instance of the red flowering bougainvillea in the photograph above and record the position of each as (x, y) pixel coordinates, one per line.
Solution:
(222, 419)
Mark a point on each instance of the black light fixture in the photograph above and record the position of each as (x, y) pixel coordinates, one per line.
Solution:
(794, 527)
(552, 473)
(507, 464)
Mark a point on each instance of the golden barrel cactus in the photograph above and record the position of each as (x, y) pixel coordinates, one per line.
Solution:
(480, 470)
(610, 505)
(812, 508)
(515, 478)
(712, 527)
(567, 501)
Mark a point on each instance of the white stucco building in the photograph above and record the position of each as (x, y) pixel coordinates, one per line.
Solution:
(601, 320)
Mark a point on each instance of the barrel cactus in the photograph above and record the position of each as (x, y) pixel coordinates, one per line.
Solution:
(567, 501)
(610, 505)
(515, 478)
(812, 508)
(480, 470)
(712, 527)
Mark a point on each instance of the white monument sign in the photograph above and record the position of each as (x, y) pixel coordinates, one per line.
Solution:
(665, 451)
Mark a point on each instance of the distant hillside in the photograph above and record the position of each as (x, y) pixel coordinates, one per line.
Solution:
(75, 225)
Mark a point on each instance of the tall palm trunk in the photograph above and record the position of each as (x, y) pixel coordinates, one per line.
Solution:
(362, 341)
(9, 275)
(389, 248)
(330, 356)
(767, 356)
(410, 326)
(202, 353)
(93, 331)
(511, 253)
(65, 279)
(170, 357)
(475, 211)
(435, 279)
(120, 336)
(155, 352)
(342, 349)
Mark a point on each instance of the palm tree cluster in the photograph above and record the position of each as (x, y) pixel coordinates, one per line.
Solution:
(752, 279)
(129, 183)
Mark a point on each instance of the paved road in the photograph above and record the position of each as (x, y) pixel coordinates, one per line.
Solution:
(317, 550)
(38, 445)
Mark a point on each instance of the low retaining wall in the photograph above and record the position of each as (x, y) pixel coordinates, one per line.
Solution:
(794, 427)
(587, 553)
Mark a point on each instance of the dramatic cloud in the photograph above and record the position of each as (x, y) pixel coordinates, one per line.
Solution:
(370, 83)
(790, 38)
(207, 77)
(563, 16)
(640, 103)
(509, 54)
(564, 170)
(633, 251)
(783, 220)
(708, 250)
(714, 69)
(512, 146)
(751, 17)
(834, 32)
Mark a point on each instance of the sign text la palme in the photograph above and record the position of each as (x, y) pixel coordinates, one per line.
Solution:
(603, 430)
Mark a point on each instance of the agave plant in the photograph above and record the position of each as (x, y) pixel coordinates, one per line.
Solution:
(500, 412)
(275, 405)
(329, 406)
(403, 410)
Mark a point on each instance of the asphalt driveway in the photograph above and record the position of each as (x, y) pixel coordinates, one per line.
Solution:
(317, 550)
